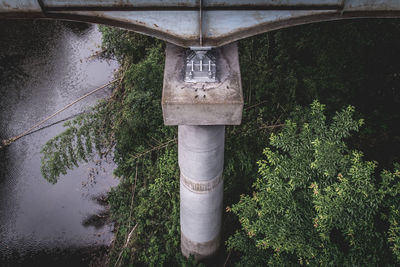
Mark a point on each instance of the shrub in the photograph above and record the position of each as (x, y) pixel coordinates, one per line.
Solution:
(316, 201)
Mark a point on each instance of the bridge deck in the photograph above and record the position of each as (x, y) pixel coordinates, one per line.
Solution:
(199, 22)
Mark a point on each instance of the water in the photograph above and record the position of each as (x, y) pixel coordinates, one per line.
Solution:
(44, 65)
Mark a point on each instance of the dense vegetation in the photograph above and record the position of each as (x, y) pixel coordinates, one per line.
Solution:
(315, 201)
(334, 208)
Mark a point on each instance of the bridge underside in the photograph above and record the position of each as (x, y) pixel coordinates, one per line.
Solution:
(199, 22)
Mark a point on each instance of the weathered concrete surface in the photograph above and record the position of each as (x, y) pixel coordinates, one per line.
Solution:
(218, 103)
(185, 23)
(26, 6)
(201, 161)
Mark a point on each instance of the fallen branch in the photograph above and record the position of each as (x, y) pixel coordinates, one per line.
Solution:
(133, 197)
(125, 245)
(272, 126)
(255, 105)
(227, 258)
(154, 148)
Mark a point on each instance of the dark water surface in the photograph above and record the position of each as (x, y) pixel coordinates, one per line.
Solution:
(45, 65)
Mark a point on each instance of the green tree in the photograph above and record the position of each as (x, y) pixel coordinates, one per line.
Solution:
(316, 201)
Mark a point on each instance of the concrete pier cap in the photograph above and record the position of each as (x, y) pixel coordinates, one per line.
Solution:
(202, 103)
(202, 93)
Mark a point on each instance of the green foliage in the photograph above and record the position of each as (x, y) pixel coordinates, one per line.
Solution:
(156, 218)
(86, 134)
(125, 46)
(352, 62)
(140, 114)
(391, 191)
(316, 202)
(133, 108)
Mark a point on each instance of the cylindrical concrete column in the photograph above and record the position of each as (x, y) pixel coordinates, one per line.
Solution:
(201, 161)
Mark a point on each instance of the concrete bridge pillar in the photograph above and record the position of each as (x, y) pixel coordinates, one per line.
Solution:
(202, 93)
(201, 161)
